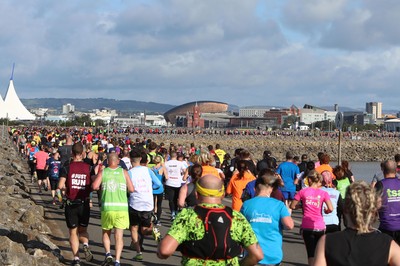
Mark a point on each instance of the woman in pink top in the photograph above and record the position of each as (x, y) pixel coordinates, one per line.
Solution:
(312, 199)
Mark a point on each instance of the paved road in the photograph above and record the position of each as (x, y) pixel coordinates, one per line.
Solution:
(294, 251)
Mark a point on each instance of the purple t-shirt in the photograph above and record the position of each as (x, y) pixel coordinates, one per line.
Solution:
(389, 213)
(312, 200)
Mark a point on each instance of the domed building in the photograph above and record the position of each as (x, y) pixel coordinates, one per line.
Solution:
(190, 114)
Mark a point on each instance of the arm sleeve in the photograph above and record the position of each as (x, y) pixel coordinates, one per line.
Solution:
(339, 208)
(298, 195)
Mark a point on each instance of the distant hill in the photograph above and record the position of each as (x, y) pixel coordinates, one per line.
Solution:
(84, 105)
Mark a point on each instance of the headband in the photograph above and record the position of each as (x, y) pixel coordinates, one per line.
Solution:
(206, 192)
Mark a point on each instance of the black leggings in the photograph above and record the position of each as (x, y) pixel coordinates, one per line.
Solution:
(32, 166)
(172, 194)
(159, 199)
(311, 238)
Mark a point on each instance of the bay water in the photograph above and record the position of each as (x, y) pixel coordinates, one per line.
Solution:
(363, 170)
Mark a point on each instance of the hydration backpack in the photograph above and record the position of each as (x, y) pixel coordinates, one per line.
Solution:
(217, 243)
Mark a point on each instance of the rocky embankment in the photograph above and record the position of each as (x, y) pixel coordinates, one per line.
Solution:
(24, 234)
(362, 149)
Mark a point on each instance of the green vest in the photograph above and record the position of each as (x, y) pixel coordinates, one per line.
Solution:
(342, 186)
(114, 192)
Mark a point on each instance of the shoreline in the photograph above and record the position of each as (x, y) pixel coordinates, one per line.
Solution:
(355, 150)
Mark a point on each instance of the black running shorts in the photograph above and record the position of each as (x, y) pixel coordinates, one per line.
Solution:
(142, 218)
(77, 214)
(41, 174)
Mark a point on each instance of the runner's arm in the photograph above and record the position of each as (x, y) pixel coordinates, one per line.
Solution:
(167, 247)
(61, 183)
(182, 196)
(329, 206)
(287, 223)
(163, 171)
(254, 255)
(394, 254)
(129, 184)
(97, 181)
(294, 205)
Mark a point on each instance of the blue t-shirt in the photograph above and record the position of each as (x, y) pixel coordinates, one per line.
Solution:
(288, 172)
(54, 168)
(331, 218)
(264, 215)
(160, 189)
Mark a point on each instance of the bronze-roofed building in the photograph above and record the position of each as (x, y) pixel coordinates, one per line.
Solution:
(182, 111)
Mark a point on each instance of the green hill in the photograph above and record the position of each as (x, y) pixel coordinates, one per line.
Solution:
(85, 105)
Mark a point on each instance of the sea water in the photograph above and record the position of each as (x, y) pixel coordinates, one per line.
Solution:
(363, 170)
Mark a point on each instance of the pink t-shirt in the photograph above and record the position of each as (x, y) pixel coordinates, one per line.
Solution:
(41, 158)
(312, 200)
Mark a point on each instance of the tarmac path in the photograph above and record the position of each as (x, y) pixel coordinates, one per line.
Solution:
(294, 250)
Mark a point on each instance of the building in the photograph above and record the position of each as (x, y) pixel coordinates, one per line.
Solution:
(392, 125)
(12, 107)
(155, 121)
(375, 109)
(178, 115)
(356, 118)
(311, 114)
(253, 111)
(125, 122)
(277, 115)
(106, 115)
(193, 119)
(68, 108)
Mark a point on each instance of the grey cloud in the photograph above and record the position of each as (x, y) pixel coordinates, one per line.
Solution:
(179, 51)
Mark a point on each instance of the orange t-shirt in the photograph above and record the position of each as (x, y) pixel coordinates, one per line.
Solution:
(236, 187)
(209, 170)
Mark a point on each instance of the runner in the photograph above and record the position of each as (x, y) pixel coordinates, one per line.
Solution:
(199, 248)
(141, 203)
(289, 172)
(115, 183)
(177, 173)
(53, 167)
(75, 179)
(40, 159)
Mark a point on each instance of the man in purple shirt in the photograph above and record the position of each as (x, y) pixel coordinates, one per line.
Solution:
(389, 212)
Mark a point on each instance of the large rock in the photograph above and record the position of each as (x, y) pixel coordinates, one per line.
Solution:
(23, 230)
(12, 253)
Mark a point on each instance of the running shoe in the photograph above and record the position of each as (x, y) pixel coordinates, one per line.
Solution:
(108, 260)
(76, 263)
(158, 223)
(156, 234)
(88, 253)
(138, 257)
(46, 188)
(117, 264)
(54, 201)
(153, 218)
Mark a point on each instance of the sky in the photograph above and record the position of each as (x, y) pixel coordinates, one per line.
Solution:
(245, 53)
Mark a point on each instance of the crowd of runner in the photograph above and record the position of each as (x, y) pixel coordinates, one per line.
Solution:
(75, 163)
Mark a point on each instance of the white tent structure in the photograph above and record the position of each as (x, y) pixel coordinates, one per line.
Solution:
(2, 108)
(13, 107)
